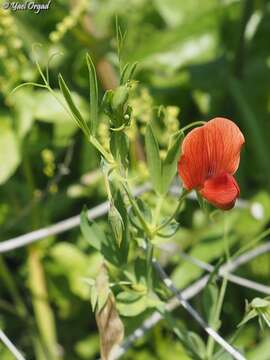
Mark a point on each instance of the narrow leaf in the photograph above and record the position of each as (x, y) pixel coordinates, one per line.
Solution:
(128, 72)
(93, 94)
(153, 159)
(169, 167)
(72, 107)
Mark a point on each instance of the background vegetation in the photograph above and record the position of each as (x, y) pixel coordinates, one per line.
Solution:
(199, 59)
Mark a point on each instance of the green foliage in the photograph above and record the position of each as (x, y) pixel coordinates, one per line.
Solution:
(204, 58)
(169, 164)
(74, 110)
(11, 159)
(93, 94)
(153, 159)
(258, 308)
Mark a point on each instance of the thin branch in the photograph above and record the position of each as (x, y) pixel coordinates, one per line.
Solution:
(12, 348)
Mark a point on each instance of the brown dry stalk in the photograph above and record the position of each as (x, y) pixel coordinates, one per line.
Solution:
(111, 329)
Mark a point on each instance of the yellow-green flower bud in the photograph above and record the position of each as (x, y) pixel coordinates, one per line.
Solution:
(120, 98)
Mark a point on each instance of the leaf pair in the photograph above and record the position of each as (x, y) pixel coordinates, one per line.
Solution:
(161, 172)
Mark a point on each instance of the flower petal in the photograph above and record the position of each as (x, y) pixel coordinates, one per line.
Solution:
(224, 141)
(209, 151)
(221, 191)
(193, 163)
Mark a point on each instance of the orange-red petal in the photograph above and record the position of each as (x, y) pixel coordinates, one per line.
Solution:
(221, 191)
(224, 141)
(193, 163)
(210, 150)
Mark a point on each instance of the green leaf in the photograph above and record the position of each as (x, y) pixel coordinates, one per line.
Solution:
(128, 72)
(131, 304)
(124, 247)
(210, 296)
(48, 109)
(91, 232)
(169, 166)
(119, 145)
(169, 231)
(197, 344)
(250, 315)
(93, 94)
(153, 159)
(144, 209)
(72, 107)
(80, 274)
(104, 243)
(9, 150)
(260, 303)
(24, 103)
(180, 331)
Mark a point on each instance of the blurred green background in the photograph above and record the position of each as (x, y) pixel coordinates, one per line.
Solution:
(197, 58)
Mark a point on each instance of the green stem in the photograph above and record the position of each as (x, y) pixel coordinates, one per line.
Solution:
(211, 341)
(219, 304)
(180, 201)
(157, 209)
(149, 265)
(226, 238)
(195, 123)
(100, 148)
(137, 210)
(107, 186)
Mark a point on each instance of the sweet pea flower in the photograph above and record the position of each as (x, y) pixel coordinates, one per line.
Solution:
(210, 157)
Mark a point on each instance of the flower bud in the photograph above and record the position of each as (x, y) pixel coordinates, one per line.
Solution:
(116, 222)
(119, 98)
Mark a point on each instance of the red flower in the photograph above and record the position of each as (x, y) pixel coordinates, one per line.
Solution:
(210, 156)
